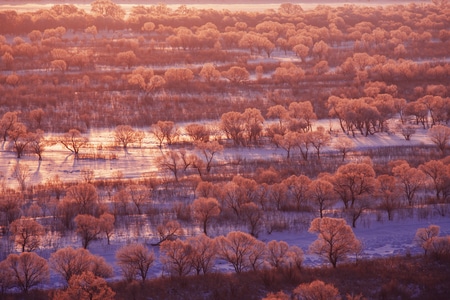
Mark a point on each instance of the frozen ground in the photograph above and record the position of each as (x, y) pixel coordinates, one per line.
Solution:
(139, 161)
(379, 236)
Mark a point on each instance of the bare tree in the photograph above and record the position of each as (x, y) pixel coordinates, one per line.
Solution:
(88, 228)
(277, 194)
(257, 255)
(209, 149)
(73, 141)
(316, 290)
(27, 270)
(19, 138)
(210, 73)
(440, 247)
(7, 122)
(236, 249)
(352, 181)
(286, 142)
(126, 58)
(175, 257)
(178, 75)
(297, 190)
(440, 136)
(407, 130)
(87, 175)
(204, 210)
(165, 131)
(280, 295)
(411, 179)
(27, 233)
(301, 115)
(86, 286)
(277, 253)
(232, 124)
(203, 253)
(204, 189)
(319, 139)
(85, 197)
(198, 132)
(253, 122)
(107, 8)
(424, 237)
(279, 112)
(139, 196)
(253, 216)
(438, 172)
(125, 135)
(21, 172)
(107, 225)
(168, 231)
(170, 161)
(38, 143)
(6, 277)
(236, 74)
(336, 239)
(68, 262)
(135, 260)
(389, 192)
(321, 193)
(120, 202)
(10, 206)
(343, 144)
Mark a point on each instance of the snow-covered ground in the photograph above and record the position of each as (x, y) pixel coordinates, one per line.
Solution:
(379, 236)
(140, 161)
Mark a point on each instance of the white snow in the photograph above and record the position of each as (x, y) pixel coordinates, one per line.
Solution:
(379, 236)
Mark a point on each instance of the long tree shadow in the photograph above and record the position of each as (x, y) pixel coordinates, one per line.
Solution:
(36, 176)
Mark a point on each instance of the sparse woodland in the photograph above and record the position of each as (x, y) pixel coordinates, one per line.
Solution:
(197, 83)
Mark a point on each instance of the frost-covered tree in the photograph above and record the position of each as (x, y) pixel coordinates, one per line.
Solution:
(203, 253)
(107, 225)
(440, 136)
(27, 233)
(73, 141)
(253, 216)
(204, 210)
(135, 260)
(125, 135)
(88, 228)
(321, 193)
(86, 286)
(7, 122)
(176, 257)
(389, 193)
(169, 231)
(335, 241)
(343, 144)
(107, 8)
(84, 196)
(209, 149)
(424, 237)
(26, 270)
(410, 179)
(165, 131)
(316, 290)
(237, 249)
(67, 262)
